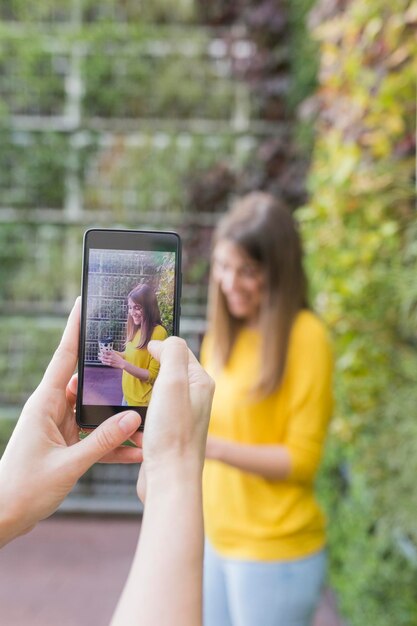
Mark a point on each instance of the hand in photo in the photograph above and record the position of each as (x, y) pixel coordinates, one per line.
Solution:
(112, 359)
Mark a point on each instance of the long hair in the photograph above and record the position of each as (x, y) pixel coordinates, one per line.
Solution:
(267, 232)
(151, 317)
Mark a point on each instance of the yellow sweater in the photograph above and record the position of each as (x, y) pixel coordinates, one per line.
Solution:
(138, 392)
(247, 516)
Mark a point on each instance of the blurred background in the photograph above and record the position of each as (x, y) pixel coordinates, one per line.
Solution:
(157, 115)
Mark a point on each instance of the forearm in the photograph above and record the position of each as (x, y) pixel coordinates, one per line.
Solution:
(164, 587)
(272, 462)
(137, 372)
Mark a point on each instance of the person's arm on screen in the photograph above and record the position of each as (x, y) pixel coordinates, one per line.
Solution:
(117, 360)
(164, 587)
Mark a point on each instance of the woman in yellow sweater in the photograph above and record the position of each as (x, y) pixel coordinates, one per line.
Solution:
(139, 367)
(271, 360)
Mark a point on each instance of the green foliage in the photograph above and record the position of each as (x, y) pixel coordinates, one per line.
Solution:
(165, 292)
(374, 579)
(303, 53)
(6, 428)
(31, 76)
(153, 173)
(92, 11)
(361, 232)
(121, 66)
(26, 346)
(46, 10)
(38, 262)
(158, 11)
(32, 169)
(12, 253)
(304, 59)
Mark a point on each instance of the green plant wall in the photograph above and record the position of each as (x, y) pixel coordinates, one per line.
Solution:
(360, 229)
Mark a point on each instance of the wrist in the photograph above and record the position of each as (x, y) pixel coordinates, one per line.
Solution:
(181, 475)
(10, 526)
(15, 512)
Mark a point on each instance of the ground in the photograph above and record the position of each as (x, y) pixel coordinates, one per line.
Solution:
(70, 571)
(102, 385)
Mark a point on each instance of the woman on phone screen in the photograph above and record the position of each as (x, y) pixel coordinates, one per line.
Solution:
(270, 357)
(139, 367)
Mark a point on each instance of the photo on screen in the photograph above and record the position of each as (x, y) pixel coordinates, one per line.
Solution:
(130, 300)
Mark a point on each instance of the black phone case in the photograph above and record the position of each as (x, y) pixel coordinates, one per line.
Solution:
(115, 237)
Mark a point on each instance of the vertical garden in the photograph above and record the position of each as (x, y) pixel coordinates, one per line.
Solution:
(360, 229)
(157, 115)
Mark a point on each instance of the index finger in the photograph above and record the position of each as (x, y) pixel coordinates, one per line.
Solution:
(172, 353)
(156, 348)
(64, 360)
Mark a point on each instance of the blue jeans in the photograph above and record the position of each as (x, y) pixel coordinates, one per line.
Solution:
(261, 593)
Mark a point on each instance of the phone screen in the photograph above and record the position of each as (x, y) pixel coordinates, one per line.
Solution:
(130, 295)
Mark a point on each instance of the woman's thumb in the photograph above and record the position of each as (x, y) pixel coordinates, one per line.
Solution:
(108, 436)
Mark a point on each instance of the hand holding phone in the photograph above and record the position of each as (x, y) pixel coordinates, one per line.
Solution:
(44, 457)
(130, 296)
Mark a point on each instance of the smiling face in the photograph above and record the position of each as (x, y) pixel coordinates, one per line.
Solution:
(135, 311)
(241, 280)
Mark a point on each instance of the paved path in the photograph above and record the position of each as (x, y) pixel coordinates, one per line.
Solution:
(70, 571)
(102, 385)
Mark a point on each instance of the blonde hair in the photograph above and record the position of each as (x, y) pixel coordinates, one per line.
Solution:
(267, 232)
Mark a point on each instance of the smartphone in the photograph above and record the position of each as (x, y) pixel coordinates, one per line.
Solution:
(131, 289)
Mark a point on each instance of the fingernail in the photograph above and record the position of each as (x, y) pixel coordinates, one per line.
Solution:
(129, 422)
